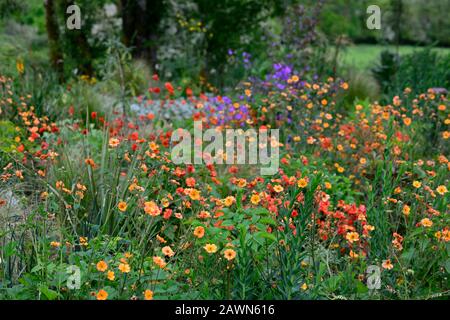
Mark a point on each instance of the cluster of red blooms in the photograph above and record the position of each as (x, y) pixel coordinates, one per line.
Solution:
(348, 222)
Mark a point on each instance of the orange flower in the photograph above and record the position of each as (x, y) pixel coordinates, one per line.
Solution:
(122, 206)
(55, 244)
(102, 266)
(199, 232)
(352, 237)
(229, 254)
(278, 188)
(228, 201)
(110, 275)
(210, 248)
(167, 251)
(353, 255)
(406, 210)
(160, 239)
(426, 222)
(90, 162)
(442, 190)
(20, 66)
(102, 295)
(255, 199)
(151, 208)
(242, 183)
(194, 194)
(387, 264)
(114, 142)
(190, 182)
(302, 183)
(124, 267)
(159, 262)
(148, 295)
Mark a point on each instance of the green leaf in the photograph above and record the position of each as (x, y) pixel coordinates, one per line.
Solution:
(447, 265)
(268, 220)
(265, 235)
(258, 211)
(48, 293)
(361, 287)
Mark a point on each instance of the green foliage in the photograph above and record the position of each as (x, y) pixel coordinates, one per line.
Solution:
(418, 71)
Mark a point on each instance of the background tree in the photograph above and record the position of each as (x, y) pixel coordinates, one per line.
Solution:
(141, 27)
(56, 56)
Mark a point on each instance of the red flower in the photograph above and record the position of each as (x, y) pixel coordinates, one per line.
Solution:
(21, 148)
(169, 87)
(155, 90)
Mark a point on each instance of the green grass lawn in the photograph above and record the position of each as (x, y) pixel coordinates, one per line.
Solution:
(365, 56)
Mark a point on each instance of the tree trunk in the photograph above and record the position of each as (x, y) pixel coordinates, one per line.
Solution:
(56, 56)
(140, 23)
(81, 51)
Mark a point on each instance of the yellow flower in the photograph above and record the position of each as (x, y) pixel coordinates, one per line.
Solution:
(210, 248)
(229, 201)
(406, 210)
(417, 184)
(148, 294)
(304, 287)
(278, 188)
(102, 266)
(102, 295)
(20, 66)
(229, 254)
(124, 267)
(110, 275)
(55, 244)
(194, 194)
(122, 206)
(302, 183)
(352, 237)
(255, 199)
(442, 190)
(151, 208)
(426, 222)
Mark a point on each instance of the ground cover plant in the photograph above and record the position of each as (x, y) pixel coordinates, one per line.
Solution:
(93, 204)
